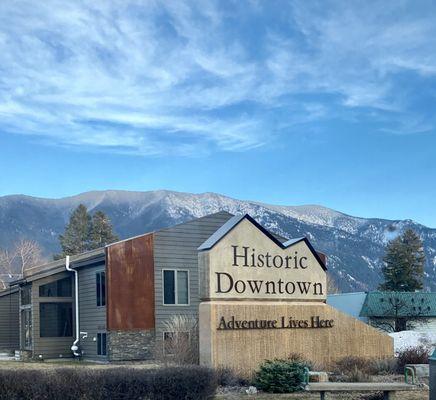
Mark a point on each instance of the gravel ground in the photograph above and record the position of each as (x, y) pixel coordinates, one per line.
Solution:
(421, 395)
(238, 393)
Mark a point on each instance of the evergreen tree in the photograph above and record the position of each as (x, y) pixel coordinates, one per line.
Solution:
(77, 236)
(102, 232)
(404, 263)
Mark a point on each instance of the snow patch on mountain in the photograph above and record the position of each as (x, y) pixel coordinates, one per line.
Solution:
(354, 246)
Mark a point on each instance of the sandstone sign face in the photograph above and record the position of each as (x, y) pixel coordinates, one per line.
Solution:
(263, 299)
(248, 264)
(333, 335)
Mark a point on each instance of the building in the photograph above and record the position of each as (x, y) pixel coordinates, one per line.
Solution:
(255, 295)
(394, 311)
(122, 302)
(415, 310)
(349, 303)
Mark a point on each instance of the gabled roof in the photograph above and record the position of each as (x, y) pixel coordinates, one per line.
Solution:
(233, 222)
(54, 267)
(8, 291)
(90, 257)
(404, 304)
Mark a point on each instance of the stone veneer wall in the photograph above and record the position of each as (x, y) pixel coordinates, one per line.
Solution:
(131, 345)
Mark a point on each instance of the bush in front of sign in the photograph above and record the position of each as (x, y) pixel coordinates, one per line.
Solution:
(280, 376)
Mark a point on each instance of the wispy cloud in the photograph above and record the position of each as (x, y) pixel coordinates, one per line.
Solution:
(186, 78)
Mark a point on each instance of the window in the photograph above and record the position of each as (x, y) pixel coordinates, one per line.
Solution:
(174, 341)
(56, 319)
(101, 288)
(175, 287)
(59, 288)
(26, 321)
(25, 295)
(101, 344)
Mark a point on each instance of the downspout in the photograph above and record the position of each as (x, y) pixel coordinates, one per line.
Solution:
(75, 347)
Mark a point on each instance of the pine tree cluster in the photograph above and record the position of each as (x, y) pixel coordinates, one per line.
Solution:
(86, 232)
(404, 263)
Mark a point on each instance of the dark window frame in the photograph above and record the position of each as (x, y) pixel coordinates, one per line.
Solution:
(175, 286)
(55, 288)
(100, 288)
(102, 343)
(68, 322)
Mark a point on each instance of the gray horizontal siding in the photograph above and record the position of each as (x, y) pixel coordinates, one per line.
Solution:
(176, 248)
(92, 318)
(49, 347)
(9, 321)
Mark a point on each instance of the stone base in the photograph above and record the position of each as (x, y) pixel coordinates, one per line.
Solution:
(132, 345)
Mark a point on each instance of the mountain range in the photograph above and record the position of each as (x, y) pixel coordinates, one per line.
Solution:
(354, 246)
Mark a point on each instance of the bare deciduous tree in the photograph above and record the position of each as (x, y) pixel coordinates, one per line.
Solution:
(2, 284)
(7, 261)
(28, 254)
(13, 263)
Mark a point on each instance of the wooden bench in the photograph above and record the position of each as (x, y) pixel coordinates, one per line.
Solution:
(386, 388)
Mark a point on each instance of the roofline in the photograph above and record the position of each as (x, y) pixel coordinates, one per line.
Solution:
(347, 294)
(237, 220)
(400, 292)
(365, 312)
(88, 257)
(57, 266)
(168, 227)
(8, 291)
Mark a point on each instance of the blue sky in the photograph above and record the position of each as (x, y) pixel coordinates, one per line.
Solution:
(285, 102)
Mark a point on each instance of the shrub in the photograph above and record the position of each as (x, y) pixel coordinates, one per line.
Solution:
(412, 355)
(173, 383)
(280, 376)
(228, 377)
(188, 383)
(348, 365)
(298, 358)
(356, 375)
(373, 396)
(181, 346)
(386, 366)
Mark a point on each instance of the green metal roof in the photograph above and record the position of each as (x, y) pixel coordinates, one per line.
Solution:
(402, 304)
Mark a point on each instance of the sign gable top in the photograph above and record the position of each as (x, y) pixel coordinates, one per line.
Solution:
(237, 219)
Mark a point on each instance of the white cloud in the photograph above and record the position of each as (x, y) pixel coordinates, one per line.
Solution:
(156, 78)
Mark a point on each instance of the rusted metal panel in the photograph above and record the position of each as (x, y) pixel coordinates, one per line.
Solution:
(130, 281)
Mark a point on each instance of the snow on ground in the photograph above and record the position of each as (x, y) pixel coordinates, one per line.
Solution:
(405, 339)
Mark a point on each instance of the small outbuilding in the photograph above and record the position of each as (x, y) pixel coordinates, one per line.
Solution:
(400, 311)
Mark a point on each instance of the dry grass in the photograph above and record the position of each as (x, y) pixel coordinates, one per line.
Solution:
(418, 395)
(56, 364)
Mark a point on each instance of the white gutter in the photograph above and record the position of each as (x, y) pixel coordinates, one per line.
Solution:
(75, 347)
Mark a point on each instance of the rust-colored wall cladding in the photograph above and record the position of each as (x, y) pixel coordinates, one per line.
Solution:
(130, 281)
